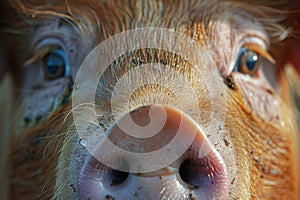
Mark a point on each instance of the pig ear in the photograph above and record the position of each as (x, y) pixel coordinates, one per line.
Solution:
(291, 70)
(6, 100)
(290, 76)
(6, 93)
(292, 73)
(6, 104)
(292, 66)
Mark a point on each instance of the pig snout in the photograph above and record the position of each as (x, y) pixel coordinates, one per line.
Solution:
(188, 168)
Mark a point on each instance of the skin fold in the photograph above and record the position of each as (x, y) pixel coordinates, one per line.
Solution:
(260, 134)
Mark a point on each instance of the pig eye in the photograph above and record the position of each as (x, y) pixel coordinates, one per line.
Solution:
(55, 65)
(248, 62)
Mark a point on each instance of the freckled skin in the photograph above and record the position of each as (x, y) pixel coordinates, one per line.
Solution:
(47, 155)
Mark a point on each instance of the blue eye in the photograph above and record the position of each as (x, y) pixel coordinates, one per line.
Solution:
(56, 65)
(248, 62)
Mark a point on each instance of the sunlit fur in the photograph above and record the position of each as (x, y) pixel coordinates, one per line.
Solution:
(265, 152)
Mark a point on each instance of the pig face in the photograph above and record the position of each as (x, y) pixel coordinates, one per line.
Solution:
(150, 100)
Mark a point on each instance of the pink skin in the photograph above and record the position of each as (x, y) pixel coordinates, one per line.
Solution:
(199, 172)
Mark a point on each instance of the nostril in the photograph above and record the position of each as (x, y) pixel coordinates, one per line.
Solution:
(198, 174)
(110, 177)
(186, 173)
(95, 173)
(117, 177)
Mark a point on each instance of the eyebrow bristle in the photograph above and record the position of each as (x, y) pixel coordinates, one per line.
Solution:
(257, 48)
(40, 53)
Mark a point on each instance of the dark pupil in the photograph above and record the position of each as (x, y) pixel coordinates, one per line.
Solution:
(55, 64)
(251, 59)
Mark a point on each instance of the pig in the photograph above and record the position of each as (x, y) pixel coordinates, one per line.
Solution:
(209, 80)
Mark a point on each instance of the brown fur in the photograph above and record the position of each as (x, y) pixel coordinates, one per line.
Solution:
(40, 155)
